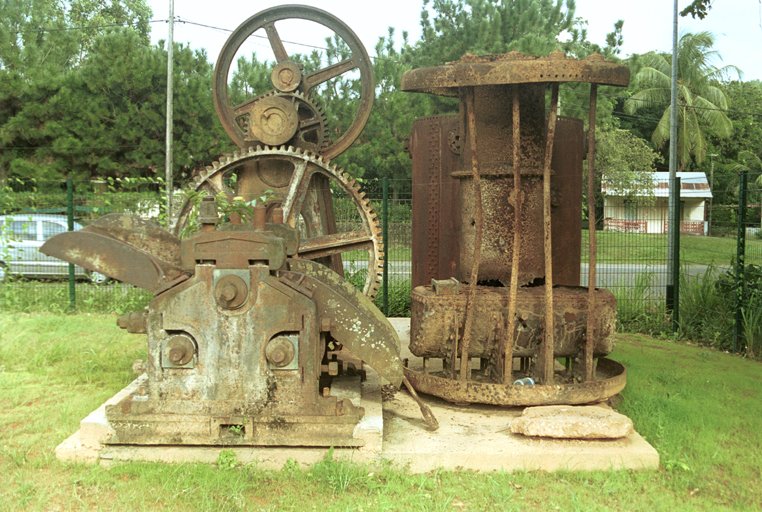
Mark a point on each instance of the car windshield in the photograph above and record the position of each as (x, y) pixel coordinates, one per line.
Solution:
(50, 229)
(24, 229)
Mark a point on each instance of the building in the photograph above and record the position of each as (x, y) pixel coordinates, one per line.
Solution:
(630, 215)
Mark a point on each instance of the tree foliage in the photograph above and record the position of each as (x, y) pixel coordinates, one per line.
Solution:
(107, 116)
(452, 28)
(697, 9)
(702, 103)
(625, 163)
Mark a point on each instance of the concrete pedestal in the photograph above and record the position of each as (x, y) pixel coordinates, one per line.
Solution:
(473, 437)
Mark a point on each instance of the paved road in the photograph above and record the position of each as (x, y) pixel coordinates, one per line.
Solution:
(608, 275)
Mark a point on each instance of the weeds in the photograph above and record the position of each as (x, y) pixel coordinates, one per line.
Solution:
(706, 315)
(751, 316)
(638, 308)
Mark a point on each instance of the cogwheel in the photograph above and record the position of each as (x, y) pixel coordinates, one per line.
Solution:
(312, 130)
(304, 185)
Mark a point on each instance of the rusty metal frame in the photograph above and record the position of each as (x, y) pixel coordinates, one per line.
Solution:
(517, 78)
(545, 359)
(589, 370)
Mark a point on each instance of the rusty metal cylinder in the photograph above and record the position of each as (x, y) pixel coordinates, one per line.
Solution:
(259, 218)
(437, 319)
(494, 143)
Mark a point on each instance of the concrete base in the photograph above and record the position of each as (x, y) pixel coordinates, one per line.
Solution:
(474, 437)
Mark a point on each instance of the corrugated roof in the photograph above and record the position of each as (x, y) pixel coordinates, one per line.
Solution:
(692, 184)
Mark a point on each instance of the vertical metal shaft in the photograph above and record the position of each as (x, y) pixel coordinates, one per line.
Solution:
(70, 227)
(516, 200)
(592, 245)
(740, 272)
(672, 225)
(674, 234)
(546, 360)
(465, 358)
(170, 94)
(387, 245)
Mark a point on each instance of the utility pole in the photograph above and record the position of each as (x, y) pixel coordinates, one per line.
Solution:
(170, 94)
(674, 195)
(711, 190)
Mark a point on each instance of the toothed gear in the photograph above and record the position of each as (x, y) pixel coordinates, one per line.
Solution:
(312, 131)
(356, 62)
(293, 177)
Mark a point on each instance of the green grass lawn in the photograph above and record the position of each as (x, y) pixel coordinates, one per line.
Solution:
(701, 409)
(636, 248)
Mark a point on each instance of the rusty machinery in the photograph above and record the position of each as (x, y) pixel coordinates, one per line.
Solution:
(251, 319)
(497, 197)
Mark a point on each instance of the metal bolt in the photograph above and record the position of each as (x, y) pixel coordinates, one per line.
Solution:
(180, 349)
(176, 354)
(228, 292)
(280, 351)
(231, 292)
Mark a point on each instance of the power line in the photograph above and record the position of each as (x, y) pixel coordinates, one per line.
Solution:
(180, 20)
(91, 28)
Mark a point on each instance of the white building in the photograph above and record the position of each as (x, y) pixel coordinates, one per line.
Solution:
(626, 215)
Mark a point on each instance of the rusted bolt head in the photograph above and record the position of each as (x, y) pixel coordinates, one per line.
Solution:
(230, 292)
(180, 349)
(274, 120)
(280, 351)
(286, 76)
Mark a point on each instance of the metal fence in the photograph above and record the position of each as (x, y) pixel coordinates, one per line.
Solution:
(717, 243)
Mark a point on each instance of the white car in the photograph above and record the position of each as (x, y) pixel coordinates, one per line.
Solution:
(22, 235)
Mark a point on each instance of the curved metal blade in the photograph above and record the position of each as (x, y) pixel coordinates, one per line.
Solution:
(114, 258)
(141, 234)
(356, 322)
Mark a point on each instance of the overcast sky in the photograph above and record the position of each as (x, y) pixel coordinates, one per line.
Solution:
(736, 24)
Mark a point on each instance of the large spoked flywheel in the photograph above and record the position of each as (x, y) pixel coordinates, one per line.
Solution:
(323, 202)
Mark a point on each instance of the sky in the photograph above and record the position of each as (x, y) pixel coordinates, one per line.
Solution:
(736, 24)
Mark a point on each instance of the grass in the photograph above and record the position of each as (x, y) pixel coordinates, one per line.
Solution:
(700, 408)
(616, 247)
(53, 296)
(699, 250)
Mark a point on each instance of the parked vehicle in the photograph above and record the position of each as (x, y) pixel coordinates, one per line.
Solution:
(22, 235)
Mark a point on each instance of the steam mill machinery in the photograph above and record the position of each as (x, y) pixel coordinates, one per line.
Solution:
(251, 319)
(497, 313)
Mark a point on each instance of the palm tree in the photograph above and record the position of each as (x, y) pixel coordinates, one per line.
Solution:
(701, 102)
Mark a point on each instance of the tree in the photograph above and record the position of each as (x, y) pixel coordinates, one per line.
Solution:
(381, 151)
(626, 163)
(701, 101)
(697, 9)
(486, 26)
(106, 117)
(41, 45)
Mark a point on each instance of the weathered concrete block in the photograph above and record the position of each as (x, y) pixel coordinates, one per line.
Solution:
(572, 422)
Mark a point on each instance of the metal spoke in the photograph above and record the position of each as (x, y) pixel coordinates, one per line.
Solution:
(297, 191)
(335, 243)
(325, 74)
(276, 43)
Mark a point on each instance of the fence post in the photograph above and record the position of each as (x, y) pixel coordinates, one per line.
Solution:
(740, 259)
(70, 222)
(387, 253)
(673, 291)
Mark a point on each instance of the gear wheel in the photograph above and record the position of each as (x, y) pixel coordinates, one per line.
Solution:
(287, 76)
(301, 183)
(311, 130)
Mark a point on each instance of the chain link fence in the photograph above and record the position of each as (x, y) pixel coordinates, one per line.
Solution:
(719, 294)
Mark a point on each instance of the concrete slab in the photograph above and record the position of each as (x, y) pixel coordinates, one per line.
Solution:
(473, 438)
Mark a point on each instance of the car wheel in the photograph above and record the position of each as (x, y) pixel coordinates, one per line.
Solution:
(97, 277)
